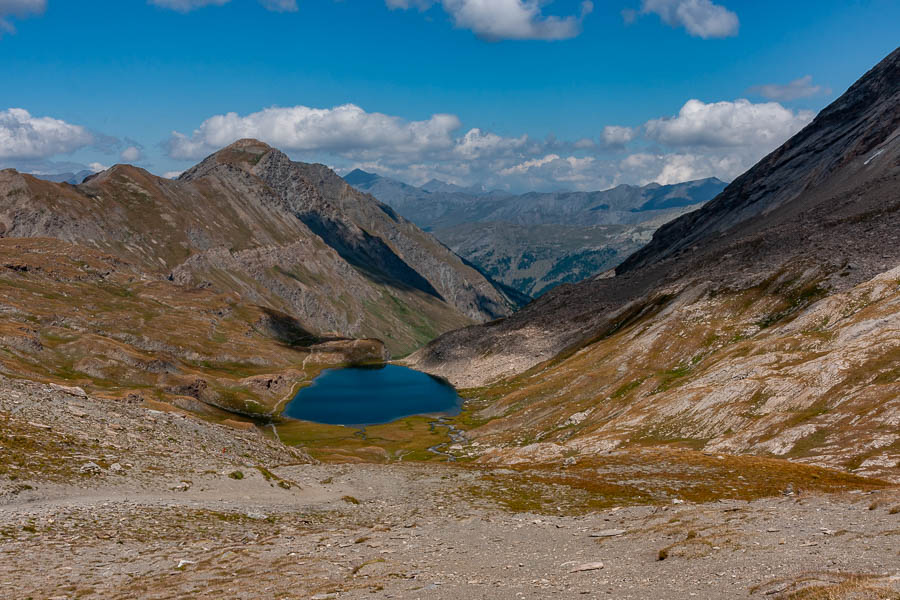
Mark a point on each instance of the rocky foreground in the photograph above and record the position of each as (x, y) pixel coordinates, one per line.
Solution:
(110, 499)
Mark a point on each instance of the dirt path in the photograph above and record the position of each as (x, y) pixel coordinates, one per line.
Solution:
(104, 499)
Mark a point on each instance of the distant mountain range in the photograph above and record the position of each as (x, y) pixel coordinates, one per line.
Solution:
(533, 242)
(72, 178)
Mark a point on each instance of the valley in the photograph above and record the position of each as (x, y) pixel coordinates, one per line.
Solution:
(536, 241)
(258, 379)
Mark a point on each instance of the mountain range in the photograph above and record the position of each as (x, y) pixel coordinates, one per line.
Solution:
(533, 242)
(69, 177)
(765, 322)
(248, 264)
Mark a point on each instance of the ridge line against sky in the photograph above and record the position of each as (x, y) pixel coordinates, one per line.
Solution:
(366, 115)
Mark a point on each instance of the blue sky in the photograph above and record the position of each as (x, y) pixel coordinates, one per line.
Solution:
(512, 94)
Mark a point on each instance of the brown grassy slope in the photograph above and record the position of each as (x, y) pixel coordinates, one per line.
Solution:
(83, 317)
(229, 230)
(772, 370)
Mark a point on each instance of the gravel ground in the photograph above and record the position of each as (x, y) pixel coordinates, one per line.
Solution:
(179, 522)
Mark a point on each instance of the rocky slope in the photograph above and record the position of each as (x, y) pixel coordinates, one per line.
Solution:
(109, 499)
(536, 241)
(765, 322)
(285, 235)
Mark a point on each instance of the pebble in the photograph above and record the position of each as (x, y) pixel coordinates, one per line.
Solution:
(608, 533)
(591, 566)
(90, 467)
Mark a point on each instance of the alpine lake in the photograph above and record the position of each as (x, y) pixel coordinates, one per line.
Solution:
(374, 413)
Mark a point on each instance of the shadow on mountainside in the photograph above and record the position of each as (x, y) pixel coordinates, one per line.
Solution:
(369, 255)
(286, 329)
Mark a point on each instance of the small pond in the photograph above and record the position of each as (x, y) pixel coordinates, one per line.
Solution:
(372, 395)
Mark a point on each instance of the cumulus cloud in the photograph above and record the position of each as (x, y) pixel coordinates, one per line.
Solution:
(555, 172)
(131, 154)
(667, 169)
(701, 18)
(345, 129)
(496, 20)
(720, 139)
(280, 5)
(23, 136)
(18, 9)
(526, 166)
(477, 143)
(615, 136)
(723, 124)
(407, 4)
(185, 6)
(798, 88)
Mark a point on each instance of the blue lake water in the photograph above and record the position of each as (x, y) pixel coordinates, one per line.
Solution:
(372, 395)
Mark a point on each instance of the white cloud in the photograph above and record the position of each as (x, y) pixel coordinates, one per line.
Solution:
(677, 168)
(172, 174)
(554, 172)
(701, 18)
(722, 124)
(798, 88)
(407, 4)
(185, 6)
(530, 164)
(23, 136)
(616, 136)
(19, 9)
(719, 139)
(97, 167)
(280, 5)
(343, 129)
(477, 143)
(505, 19)
(131, 154)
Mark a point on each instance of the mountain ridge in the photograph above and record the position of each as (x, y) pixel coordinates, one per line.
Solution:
(775, 333)
(244, 220)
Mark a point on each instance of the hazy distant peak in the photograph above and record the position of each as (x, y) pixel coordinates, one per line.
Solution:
(360, 177)
(72, 178)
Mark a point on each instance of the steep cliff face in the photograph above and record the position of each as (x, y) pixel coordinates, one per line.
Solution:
(764, 322)
(280, 234)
